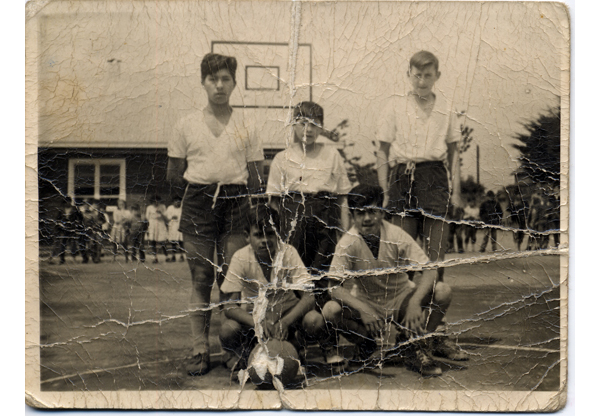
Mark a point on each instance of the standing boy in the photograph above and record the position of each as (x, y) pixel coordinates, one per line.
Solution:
(270, 266)
(379, 291)
(418, 157)
(308, 184)
(213, 155)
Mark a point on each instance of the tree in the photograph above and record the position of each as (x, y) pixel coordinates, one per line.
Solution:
(540, 151)
(465, 136)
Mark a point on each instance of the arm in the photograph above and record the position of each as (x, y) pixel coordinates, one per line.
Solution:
(305, 305)
(383, 169)
(236, 313)
(342, 201)
(369, 317)
(254, 177)
(414, 318)
(175, 170)
(454, 168)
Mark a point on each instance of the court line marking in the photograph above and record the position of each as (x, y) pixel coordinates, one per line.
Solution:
(508, 347)
(166, 360)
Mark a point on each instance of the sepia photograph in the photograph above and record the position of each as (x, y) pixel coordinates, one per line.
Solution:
(349, 205)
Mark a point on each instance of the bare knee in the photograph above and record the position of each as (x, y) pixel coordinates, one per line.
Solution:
(229, 331)
(332, 312)
(443, 294)
(313, 322)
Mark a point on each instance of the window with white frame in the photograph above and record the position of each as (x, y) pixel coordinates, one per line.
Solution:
(102, 179)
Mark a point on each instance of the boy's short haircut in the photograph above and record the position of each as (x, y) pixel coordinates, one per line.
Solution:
(213, 63)
(365, 195)
(423, 59)
(263, 217)
(309, 110)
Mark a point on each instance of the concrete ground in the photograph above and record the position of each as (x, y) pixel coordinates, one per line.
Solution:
(124, 326)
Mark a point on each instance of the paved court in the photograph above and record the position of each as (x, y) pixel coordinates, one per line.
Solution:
(123, 326)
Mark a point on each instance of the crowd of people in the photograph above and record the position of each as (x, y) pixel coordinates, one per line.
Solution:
(538, 219)
(321, 258)
(84, 228)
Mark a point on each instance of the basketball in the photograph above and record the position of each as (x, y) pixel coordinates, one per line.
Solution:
(279, 359)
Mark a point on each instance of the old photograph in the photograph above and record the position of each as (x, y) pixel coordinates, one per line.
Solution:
(350, 205)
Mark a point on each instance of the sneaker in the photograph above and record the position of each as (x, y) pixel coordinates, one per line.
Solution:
(364, 353)
(418, 360)
(444, 348)
(198, 365)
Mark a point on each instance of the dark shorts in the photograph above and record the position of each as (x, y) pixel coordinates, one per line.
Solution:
(426, 190)
(310, 223)
(202, 215)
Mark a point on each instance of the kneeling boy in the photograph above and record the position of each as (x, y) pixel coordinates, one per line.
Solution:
(266, 265)
(381, 291)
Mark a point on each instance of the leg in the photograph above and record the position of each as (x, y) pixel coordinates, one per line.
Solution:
(436, 232)
(486, 236)
(200, 260)
(347, 321)
(238, 340)
(459, 238)
(494, 233)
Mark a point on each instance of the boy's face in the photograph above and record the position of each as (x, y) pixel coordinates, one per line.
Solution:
(368, 220)
(307, 130)
(219, 86)
(423, 80)
(263, 241)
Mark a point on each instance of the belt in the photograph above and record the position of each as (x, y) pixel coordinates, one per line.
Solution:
(215, 189)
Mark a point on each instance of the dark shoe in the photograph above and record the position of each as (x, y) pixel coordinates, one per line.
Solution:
(182, 259)
(418, 360)
(364, 352)
(444, 348)
(155, 261)
(198, 365)
(168, 260)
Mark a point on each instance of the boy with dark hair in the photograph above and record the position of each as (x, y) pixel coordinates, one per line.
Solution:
(418, 157)
(214, 155)
(378, 291)
(308, 184)
(266, 266)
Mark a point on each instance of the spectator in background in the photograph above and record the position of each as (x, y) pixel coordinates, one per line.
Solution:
(456, 214)
(157, 228)
(490, 213)
(67, 221)
(471, 216)
(137, 231)
(518, 213)
(93, 220)
(173, 215)
(120, 229)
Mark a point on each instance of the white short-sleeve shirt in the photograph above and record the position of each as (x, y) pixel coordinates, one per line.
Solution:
(414, 136)
(396, 249)
(245, 275)
(292, 171)
(212, 159)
